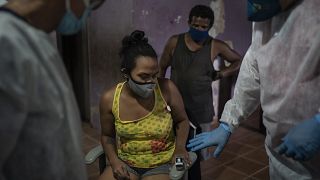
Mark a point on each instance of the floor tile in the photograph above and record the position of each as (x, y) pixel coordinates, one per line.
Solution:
(222, 173)
(87, 129)
(250, 178)
(254, 140)
(224, 158)
(240, 133)
(253, 121)
(263, 174)
(93, 169)
(89, 143)
(259, 155)
(245, 166)
(238, 148)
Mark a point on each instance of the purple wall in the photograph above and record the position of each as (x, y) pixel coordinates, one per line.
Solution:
(106, 28)
(160, 20)
(237, 28)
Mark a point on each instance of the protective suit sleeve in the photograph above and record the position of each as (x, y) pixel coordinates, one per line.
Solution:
(246, 94)
(13, 96)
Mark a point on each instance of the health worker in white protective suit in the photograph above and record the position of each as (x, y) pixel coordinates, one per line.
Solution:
(39, 119)
(281, 70)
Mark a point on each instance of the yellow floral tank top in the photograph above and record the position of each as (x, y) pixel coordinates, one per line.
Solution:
(149, 141)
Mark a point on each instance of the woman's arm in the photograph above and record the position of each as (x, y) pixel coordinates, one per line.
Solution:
(107, 127)
(178, 113)
(108, 136)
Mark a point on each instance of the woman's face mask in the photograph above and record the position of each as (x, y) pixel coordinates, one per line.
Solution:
(261, 10)
(143, 90)
(70, 23)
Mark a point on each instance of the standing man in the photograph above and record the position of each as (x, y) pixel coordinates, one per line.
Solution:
(40, 123)
(191, 56)
(281, 70)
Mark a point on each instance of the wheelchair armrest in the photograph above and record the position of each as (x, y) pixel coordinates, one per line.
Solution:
(93, 154)
(176, 174)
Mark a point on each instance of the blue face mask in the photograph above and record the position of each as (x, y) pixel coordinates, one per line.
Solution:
(261, 10)
(70, 24)
(197, 35)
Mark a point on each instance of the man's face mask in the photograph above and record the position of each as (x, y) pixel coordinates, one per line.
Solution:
(197, 35)
(70, 23)
(143, 90)
(261, 10)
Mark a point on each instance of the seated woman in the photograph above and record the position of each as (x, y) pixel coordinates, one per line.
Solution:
(138, 116)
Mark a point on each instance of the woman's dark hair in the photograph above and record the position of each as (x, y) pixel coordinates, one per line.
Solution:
(134, 46)
(203, 12)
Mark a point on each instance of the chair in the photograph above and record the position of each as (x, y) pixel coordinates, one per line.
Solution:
(94, 154)
(98, 153)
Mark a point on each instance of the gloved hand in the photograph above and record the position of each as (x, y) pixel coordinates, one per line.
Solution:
(302, 141)
(217, 137)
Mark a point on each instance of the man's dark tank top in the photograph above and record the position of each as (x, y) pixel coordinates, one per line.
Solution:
(192, 73)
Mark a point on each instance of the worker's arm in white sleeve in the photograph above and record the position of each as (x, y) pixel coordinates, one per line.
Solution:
(246, 94)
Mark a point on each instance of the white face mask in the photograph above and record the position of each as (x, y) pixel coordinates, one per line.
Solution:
(142, 90)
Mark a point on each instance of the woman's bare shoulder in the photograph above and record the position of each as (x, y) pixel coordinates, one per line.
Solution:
(106, 99)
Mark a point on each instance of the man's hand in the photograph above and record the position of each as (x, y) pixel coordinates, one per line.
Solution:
(216, 75)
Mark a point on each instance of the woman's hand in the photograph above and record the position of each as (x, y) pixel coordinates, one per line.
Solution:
(119, 169)
(183, 153)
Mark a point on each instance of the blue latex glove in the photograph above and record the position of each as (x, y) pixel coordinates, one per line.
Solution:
(217, 137)
(302, 141)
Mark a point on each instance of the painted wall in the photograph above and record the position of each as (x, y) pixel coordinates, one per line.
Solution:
(237, 28)
(160, 20)
(106, 28)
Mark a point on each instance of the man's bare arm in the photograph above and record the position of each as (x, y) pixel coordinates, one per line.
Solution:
(166, 57)
(229, 55)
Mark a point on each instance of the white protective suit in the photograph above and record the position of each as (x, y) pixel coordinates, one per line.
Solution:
(40, 123)
(281, 70)
(2, 2)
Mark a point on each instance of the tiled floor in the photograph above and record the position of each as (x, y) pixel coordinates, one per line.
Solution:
(244, 157)
(91, 138)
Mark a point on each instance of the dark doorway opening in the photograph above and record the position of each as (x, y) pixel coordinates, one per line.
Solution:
(74, 51)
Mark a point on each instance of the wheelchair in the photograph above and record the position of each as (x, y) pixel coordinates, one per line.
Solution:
(177, 172)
